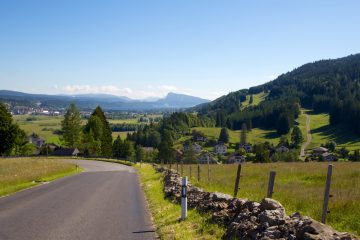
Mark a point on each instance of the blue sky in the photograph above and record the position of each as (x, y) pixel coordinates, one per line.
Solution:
(146, 48)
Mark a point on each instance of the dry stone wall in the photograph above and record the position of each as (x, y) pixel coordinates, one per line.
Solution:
(245, 219)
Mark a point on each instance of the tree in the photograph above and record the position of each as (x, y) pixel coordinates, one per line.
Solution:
(22, 147)
(224, 135)
(101, 131)
(331, 145)
(8, 131)
(261, 153)
(296, 136)
(117, 147)
(139, 153)
(190, 155)
(284, 141)
(71, 127)
(251, 99)
(243, 134)
(283, 125)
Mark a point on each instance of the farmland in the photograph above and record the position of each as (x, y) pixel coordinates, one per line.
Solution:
(298, 186)
(20, 173)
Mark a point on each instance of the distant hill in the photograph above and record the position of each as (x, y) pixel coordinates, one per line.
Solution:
(106, 101)
(331, 86)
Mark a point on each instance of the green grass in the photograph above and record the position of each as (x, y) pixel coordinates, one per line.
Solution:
(322, 132)
(122, 135)
(298, 186)
(43, 126)
(257, 98)
(20, 173)
(256, 135)
(166, 214)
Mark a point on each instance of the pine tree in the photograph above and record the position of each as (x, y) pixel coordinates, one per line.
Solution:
(224, 135)
(71, 127)
(296, 136)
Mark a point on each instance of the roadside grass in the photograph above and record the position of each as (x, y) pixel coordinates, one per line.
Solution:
(256, 135)
(298, 186)
(322, 132)
(166, 214)
(127, 163)
(20, 173)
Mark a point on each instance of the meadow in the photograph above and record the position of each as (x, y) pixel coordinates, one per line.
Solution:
(298, 186)
(20, 173)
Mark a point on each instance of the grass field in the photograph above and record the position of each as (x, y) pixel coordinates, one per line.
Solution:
(298, 186)
(121, 134)
(20, 173)
(256, 135)
(41, 125)
(322, 132)
(257, 98)
(166, 214)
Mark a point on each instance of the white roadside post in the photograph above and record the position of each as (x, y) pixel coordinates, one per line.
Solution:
(184, 198)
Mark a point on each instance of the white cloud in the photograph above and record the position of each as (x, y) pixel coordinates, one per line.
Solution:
(167, 88)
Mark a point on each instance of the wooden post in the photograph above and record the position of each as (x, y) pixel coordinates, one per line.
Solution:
(327, 194)
(237, 180)
(190, 170)
(170, 165)
(271, 184)
(198, 173)
(182, 168)
(177, 167)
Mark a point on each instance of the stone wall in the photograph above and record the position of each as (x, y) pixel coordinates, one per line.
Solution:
(245, 219)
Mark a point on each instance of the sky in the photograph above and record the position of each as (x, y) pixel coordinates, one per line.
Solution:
(144, 49)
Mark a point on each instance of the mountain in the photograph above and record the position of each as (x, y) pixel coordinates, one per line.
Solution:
(106, 101)
(331, 86)
(176, 100)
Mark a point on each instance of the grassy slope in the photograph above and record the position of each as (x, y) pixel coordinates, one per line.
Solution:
(257, 98)
(20, 173)
(298, 186)
(256, 135)
(322, 132)
(166, 214)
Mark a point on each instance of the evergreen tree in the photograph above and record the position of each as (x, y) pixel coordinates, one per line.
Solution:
(117, 153)
(71, 127)
(296, 136)
(251, 99)
(224, 135)
(283, 125)
(101, 131)
(190, 155)
(139, 153)
(243, 134)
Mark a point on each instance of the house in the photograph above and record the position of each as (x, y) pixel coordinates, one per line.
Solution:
(148, 149)
(236, 158)
(319, 151)
(207, 158)
(66, 152)
(36, 140)
(195, 146)
(220, 148)
(200, 139)
(246, 147)
(329, 157)
(281, 149)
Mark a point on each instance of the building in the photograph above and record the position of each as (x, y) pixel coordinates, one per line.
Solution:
(236, 158)
(246, 147)
(36, 140)
(329, 157)
(200, 139)
(195, 146)
(319, 151)
(207, 158)
(220, 148)
(281, 149)
(66, 152)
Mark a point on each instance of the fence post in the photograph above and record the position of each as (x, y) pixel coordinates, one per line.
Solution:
(327, 194)
(184, 198)
(170, 165)
(198, 173)
(237, 180)
(271, 184)
(182, 168)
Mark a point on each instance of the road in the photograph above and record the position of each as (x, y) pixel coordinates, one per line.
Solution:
(104, 202)
(308, 136)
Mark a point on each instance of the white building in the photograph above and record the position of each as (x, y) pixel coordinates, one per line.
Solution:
(220, 148)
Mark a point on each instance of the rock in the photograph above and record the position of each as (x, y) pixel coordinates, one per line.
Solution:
(272, 217)
(271, 204)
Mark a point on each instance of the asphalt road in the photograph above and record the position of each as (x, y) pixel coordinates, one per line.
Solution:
(104, 202)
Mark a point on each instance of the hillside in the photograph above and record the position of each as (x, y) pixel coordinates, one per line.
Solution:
(327, 86)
